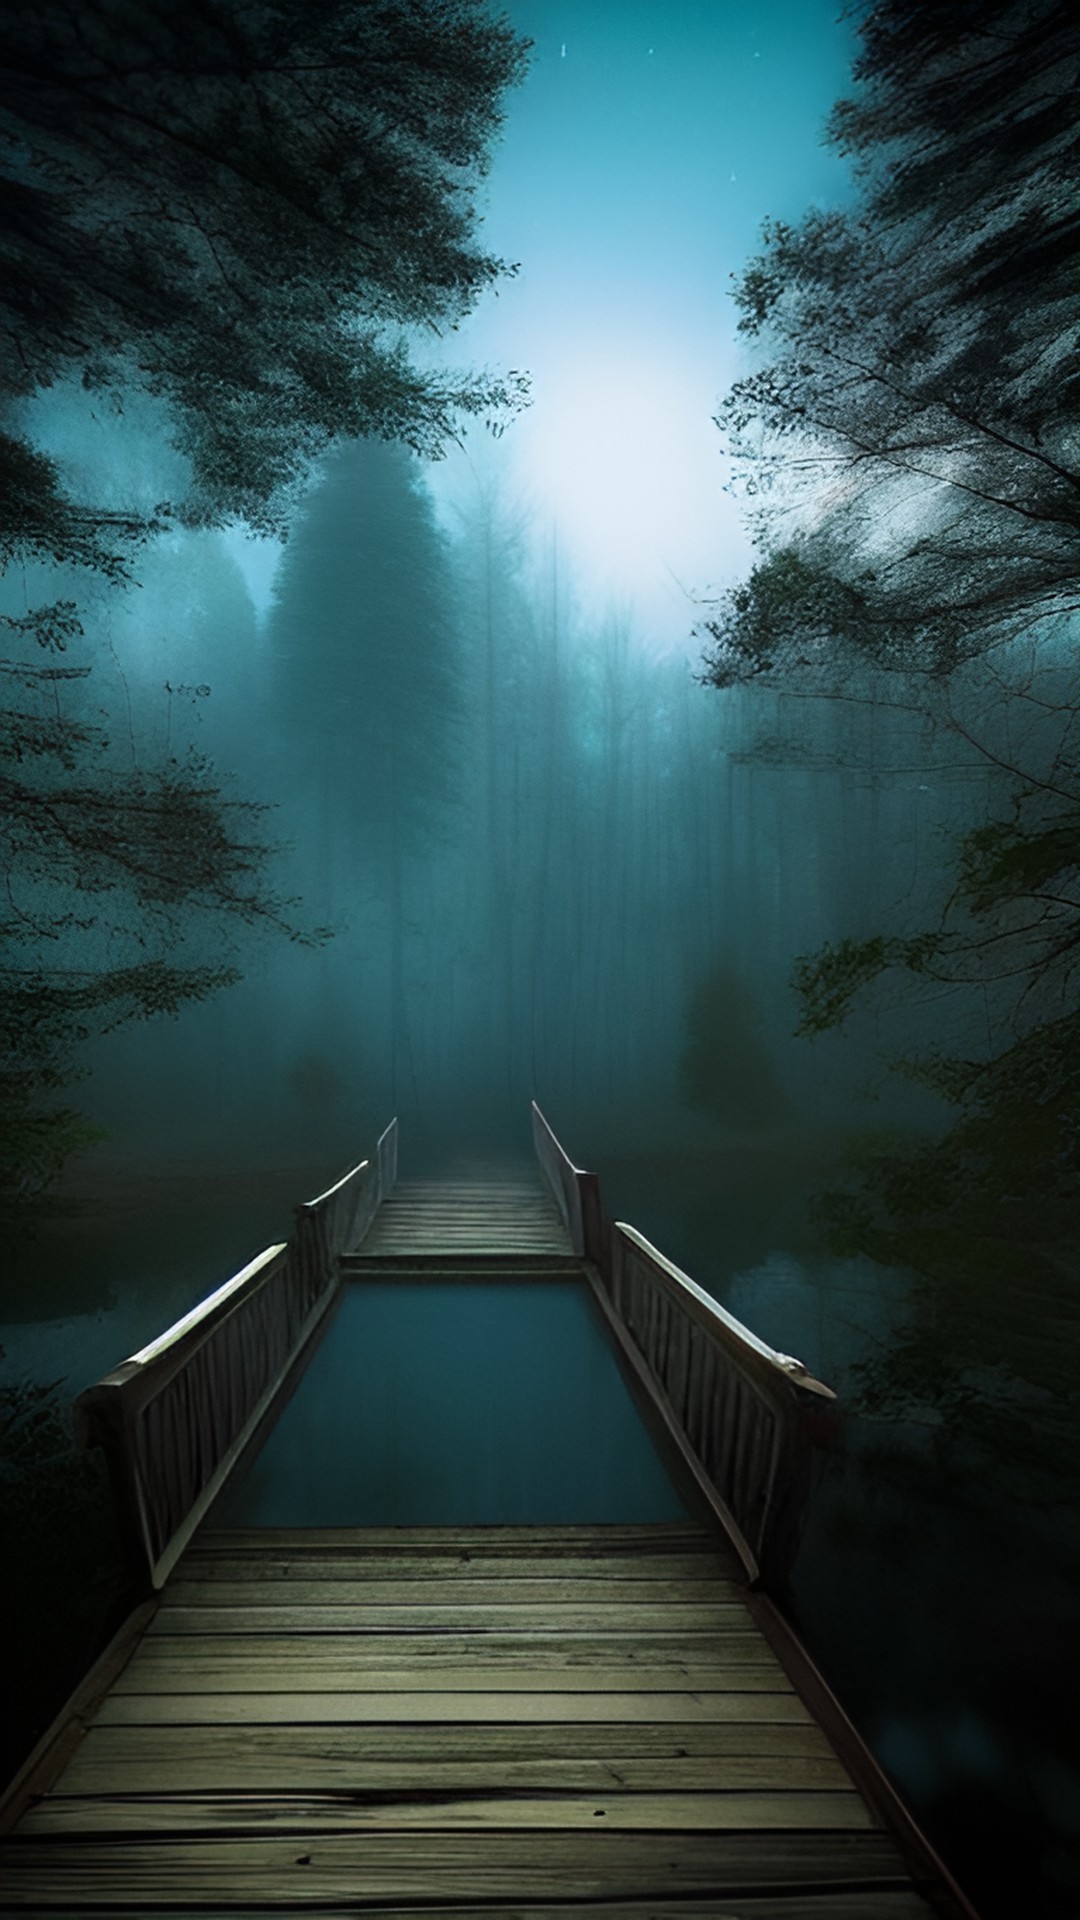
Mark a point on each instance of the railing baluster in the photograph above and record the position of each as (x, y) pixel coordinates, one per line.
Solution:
(742, 1407)
(176, 1417)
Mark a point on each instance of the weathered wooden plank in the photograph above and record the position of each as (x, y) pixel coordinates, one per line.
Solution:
(887, 1904)
(480, 1618)
(355, 1704)
(173, 1663)
(284, 1872)
(249, 1745)
(404, 1243)
(661, 1536)
(67, 1816)
(404, 1239)
(265, 1569)
(384, 1645)
(193, 1677)
(897, 1904)
(489, 1217)
(282, 1759)
(330, 1598)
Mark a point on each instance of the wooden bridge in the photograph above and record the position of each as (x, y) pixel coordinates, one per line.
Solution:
(500, 1720)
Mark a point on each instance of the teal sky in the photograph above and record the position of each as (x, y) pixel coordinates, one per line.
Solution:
(639, 159)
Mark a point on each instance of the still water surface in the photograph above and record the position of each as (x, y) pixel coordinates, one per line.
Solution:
(458, 1403)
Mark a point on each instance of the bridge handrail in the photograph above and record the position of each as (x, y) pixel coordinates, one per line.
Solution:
(174, 1418)
(575, 1192)
(721, 1325)
(745, 1410)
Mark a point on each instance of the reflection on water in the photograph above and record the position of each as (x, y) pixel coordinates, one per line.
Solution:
(938, 1582)
(445, 1402)
(120, 1262)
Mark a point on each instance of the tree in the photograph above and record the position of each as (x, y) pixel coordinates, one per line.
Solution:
(243, 206)
(916, 418)
(725, 1070)
(364, 679)
(249, 211)
(121, 884)
(911, 451)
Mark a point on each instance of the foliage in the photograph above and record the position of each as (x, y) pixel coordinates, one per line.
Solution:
(116, 876)
(243, 207)
(248, 211)
(916, 415)
(909, 447)
(63, 1576)
(364, 680)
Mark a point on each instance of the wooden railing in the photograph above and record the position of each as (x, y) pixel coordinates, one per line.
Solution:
(576, 1193)
(175, 1418)
(748, 1416)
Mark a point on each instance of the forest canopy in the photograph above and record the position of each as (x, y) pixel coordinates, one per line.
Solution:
(258, 216)
(909, 446)
(910, 442)
(245, 207)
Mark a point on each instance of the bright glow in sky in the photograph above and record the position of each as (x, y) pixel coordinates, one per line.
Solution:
(622, 446)
(638, 162)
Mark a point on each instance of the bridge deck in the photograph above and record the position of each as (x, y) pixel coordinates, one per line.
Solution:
(462, 1217)
(513, 1720)
(374, 1720)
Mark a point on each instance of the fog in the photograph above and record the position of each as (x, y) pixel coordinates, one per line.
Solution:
(537, 842)
(549, 769)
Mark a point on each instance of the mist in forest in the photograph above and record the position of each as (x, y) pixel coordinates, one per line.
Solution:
(558, 581)
(525, 846)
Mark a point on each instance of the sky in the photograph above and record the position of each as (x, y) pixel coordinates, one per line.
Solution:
(637, 164)
(638, 161)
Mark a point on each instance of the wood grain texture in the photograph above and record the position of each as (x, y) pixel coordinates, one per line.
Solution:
(192, 1681)
(265, 1569)
(189, 1759)
(480, 1617)
(456, 1542)
(440, 1812)
(332, 1598)
(885, 1904)
(580, 1716)
(731, 1648)
(298, 1872)
(454, 1217)
(357, 1705)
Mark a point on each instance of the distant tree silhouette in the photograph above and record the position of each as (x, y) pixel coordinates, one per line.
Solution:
(365, 679)
(725, 1070)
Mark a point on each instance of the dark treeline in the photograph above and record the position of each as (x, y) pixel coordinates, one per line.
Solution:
(225, 224)
(909, 438)
(518, 829)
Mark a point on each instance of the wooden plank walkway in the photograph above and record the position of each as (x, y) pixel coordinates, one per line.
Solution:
(461, 1218)
(425, 1719)
(514, 1722)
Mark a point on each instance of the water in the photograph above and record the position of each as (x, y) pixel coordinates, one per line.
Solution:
(938, 1581)
(126, 1256)
(458, 1403)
